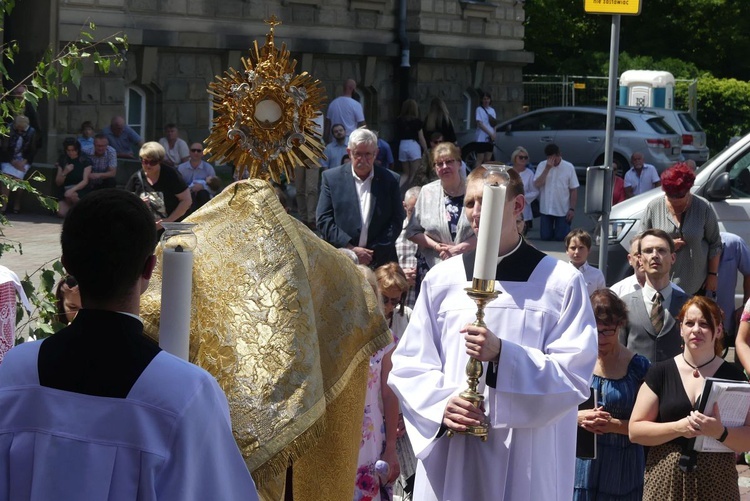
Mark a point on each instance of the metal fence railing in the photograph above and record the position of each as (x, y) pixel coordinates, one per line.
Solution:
(541, 91)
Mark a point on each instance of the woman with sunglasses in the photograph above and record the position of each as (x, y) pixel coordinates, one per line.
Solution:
(617, 471)
(692, 223)
(664, 417)
(520, 162)
(437, 224)
(159, 178)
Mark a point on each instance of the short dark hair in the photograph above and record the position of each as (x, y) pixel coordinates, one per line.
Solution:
(101, 135)
(87, 125)
(608, 308)
(582, 236)
(551, 149)
(658, 233)
(106, 240)
(71, 141)
(170, 126)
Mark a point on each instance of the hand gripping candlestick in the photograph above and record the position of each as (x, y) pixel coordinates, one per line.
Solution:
(177, 244)
(482, 289)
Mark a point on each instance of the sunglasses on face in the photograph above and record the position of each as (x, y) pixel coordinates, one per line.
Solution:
(392, 300)
(148, 161)
(195, 150)
(522, 157)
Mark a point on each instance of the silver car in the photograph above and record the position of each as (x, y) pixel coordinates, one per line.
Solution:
(579, 132)
(693, 136)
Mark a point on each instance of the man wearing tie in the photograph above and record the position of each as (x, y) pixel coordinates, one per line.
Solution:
(653, 330)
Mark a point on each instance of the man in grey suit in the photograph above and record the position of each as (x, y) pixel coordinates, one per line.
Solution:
(653, 330)
(360, 204)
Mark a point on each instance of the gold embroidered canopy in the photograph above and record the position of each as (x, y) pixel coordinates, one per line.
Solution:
(264, 115)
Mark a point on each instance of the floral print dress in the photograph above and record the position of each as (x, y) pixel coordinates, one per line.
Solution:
(367, 486)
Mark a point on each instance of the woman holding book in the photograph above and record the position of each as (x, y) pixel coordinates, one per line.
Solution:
(617, 471)
(665, 419)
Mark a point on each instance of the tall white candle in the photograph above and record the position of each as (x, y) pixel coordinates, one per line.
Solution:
(176, 293)
(490, 229)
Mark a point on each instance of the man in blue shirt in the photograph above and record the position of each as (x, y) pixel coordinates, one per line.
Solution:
(122, 138)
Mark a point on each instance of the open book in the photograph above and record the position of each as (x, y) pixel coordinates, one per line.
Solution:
(734, 402)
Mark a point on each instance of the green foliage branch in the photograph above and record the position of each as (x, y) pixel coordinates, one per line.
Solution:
(52, 75)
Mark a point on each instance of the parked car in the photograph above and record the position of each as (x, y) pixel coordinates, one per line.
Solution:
(579, 131)
(724, 181)
(693, 136)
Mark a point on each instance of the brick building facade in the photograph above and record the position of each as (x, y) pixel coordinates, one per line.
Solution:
(177, 47)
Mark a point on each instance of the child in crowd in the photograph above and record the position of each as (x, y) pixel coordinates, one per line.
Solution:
(86, 139)
(577, 247)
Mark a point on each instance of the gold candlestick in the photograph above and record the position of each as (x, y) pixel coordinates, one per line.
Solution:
(482, 292)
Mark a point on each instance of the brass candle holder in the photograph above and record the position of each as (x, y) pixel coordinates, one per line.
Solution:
(482, 292)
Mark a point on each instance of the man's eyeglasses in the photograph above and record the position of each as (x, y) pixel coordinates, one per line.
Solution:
(394, 301)
(446, 163)
(148, 161)
(196, 150)
(366, 155)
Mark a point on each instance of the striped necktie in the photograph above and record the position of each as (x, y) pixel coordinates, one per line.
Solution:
(657, 313)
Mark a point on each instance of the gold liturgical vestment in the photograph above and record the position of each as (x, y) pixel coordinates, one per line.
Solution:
(287, 325)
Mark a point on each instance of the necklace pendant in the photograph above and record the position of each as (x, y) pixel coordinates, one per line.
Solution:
(696, 374)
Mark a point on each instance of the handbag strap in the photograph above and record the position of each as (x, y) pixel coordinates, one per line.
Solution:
(146, 186)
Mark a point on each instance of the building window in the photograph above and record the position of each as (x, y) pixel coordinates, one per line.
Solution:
(135, 109)
(467, 121)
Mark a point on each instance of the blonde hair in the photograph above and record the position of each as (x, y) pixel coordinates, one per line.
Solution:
(517, 152)
(446, 148)
(153, 151)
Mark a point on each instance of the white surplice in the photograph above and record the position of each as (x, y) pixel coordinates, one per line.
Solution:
(548, 355)
(170, 439)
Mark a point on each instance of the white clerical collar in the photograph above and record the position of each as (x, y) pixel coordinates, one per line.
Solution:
(500, 258)
(131, 315)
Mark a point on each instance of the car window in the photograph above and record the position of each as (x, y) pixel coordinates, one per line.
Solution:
(531, 123)
(689, 123)
(622, 123)
(660, 125)
(581, 120)
(739, 176)
(540, 122)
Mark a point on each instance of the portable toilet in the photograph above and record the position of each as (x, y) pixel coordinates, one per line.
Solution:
(646, 88)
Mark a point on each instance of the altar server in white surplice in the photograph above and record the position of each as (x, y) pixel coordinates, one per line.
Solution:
(98, 411)
(539, 351)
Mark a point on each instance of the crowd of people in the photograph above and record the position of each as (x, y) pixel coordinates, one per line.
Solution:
(555, 332)
(175, 179)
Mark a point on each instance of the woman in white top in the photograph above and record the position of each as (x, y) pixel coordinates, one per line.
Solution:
(437, 224)
(520, 162)
(485, 117)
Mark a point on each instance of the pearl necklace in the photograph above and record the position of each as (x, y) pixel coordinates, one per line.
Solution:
(697, 374)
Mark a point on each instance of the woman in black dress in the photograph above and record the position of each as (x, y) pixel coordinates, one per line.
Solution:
(664, 417)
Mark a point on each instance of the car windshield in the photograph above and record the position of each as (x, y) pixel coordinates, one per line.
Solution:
(660, 125)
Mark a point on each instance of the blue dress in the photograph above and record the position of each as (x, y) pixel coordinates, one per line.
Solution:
(617, 472)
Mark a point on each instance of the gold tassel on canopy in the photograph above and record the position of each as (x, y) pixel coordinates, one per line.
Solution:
(263, 121)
